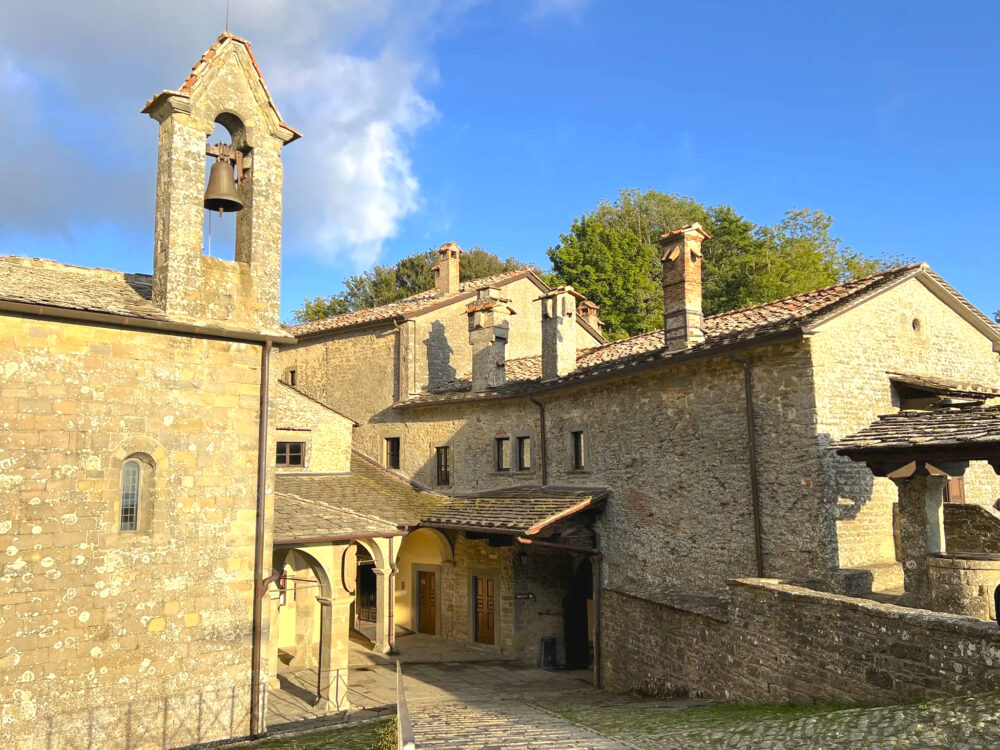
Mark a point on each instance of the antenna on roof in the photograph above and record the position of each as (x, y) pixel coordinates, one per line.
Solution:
(227, 16)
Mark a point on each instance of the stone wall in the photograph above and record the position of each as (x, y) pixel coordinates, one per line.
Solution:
(971, 528)
(472, 558)
(326, 433)
(964, 585)
(126, 624)
(904, 330)
(782, 643)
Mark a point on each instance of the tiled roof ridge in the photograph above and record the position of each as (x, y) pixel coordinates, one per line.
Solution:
(400, 308)
(24, 260)
(205, 61)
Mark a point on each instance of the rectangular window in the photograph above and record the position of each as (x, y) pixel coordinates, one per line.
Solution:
(392, 452)
(443, 474)
(579, 450)
(503, 453)
(524, 453)
(293, 377)
(290, 454)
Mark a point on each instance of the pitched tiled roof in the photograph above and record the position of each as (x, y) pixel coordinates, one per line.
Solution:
(205, 62)
(369, 490)
(45, 282)
(944, 387)
(516, 511)
(961, 427)
(297, 519)
(789, 316)
(404, 307)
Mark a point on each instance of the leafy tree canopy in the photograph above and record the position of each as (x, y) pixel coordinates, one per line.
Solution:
(612, 256)
(381, 285)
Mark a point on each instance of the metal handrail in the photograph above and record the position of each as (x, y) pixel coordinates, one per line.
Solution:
(404, 729)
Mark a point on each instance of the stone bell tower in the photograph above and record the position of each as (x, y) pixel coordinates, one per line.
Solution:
(225, 87)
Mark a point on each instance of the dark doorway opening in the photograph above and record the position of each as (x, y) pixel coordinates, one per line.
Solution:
(576, 617)
(366, 598)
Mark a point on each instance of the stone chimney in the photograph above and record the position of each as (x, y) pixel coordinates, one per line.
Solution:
(559, 332)
(587, 311)
(446, 271)
(488, 332)
(681, 258)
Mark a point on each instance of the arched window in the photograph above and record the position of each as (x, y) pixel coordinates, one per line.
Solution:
(131, 482)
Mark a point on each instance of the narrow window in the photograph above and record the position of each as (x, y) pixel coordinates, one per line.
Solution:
(443, 474)
(293, 377)
(290, 454)
(579, 455)
(502, 450)
(392, 452)
(954, 491)
(131, 475)
(524, 453)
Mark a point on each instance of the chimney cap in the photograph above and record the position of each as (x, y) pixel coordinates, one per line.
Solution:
(586, 304)
(561, 290)
(449, 247)
(690, 230)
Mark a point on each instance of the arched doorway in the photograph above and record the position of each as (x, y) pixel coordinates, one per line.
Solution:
(578, 617)
(420, 582)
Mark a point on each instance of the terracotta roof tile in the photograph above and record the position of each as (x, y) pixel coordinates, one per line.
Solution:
(404, 307)
(744, 325)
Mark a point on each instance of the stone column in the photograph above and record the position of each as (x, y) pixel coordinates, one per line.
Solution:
(325, 644)
(383, 581)
(921, 529)
(273, 638)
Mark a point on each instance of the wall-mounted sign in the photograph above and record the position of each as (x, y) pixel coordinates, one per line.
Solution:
(524, 596)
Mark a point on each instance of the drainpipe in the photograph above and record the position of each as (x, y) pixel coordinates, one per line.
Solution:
(541, 442)
(256, 724)
(752, 450)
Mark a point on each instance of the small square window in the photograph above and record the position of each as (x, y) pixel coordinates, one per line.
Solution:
(443, 472)
(392, 452)
(502, 450)
(524, 453)
(290, 454)
(292, 377)
(579, 450)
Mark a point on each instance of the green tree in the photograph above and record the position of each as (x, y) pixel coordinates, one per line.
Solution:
(382, 285)
(611, 255)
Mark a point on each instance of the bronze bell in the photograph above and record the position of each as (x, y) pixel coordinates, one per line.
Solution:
(221, 194)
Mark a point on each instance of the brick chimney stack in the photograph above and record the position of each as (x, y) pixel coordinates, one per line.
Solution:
(681, 258)
(446, 277)
(587, 311)
(488, 333)
(559, 332)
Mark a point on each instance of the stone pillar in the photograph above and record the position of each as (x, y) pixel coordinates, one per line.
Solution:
(383, 581)
(339, 653)
(273, 637)
(446, 271)
(558, 332)
(921, 529)
(488, 332)
(681, 258)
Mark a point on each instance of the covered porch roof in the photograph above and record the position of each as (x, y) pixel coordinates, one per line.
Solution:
(945, 435)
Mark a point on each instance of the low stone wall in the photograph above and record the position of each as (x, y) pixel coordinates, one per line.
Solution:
(964, 585)
(783, 643)
(971, 528)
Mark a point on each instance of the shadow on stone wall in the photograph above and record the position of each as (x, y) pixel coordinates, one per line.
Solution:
(439, 351)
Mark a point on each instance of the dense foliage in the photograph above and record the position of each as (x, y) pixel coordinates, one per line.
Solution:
(381, 285)
(611, 255)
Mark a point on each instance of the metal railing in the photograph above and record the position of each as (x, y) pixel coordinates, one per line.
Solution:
(404, 729)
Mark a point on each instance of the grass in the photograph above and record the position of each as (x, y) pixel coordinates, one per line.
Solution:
(373, 735)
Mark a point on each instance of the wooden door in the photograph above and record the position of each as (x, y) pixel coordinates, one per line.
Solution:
(484, 610)
(427, 595)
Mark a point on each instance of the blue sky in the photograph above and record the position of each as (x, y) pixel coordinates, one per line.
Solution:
(497, 123)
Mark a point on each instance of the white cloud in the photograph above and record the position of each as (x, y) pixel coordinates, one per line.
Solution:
(75, 148)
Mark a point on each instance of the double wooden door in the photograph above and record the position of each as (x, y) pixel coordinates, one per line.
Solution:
(427, 602)
(485, 611)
